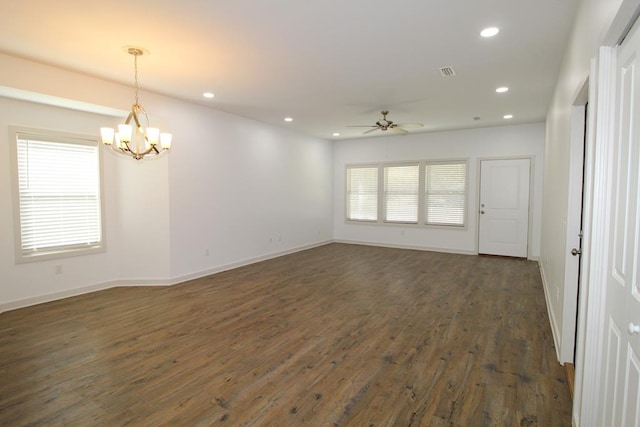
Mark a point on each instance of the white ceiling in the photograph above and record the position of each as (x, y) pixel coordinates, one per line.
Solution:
(327, 64)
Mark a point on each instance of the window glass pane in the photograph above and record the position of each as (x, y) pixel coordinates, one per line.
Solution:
(445, 198)
(362, 193)
(401, 193)
(59, 195)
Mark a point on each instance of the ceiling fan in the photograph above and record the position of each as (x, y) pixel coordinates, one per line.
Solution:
(384, 124)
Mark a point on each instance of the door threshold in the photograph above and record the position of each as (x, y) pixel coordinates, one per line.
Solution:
(501, 256)
(570, 373)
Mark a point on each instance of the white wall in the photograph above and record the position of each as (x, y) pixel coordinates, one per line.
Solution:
(592, 21)
(244, 190)
(23, 281)
(495, 142)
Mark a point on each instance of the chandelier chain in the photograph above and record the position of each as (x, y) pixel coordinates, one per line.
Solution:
(135, 66)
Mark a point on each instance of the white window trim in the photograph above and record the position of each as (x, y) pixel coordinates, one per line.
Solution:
(421, 199)
(62, 137)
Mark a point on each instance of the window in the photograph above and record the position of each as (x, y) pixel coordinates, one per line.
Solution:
(430, 193)
(362, 193)
(445, 188)
(57, 194)
(401, 193)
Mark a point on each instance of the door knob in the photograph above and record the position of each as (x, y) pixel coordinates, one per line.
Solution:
(482, 212)
(576, 252)
(633, 328)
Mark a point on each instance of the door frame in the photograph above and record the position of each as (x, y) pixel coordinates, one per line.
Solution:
(589, 352)
(531, 159)
(578, 177)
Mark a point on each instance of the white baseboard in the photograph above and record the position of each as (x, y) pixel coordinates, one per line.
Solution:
(552, 320)
(412, 247)
(196, 275)
(231, 266)
(26, 302)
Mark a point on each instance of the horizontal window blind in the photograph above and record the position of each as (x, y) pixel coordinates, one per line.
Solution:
(401, 193)
(445, 189)
(362, 193)
(59, 194)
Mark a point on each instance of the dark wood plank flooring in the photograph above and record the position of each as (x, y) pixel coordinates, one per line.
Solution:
(334, 336)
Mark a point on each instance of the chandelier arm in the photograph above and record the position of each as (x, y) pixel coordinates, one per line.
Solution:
(134, 114)
(140, 155)
(125, 147)
(129, 117)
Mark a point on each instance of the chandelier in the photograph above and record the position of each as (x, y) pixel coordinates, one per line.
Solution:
(131, 138)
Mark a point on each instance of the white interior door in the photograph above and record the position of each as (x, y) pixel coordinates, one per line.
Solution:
(621, 373)
(504, 207)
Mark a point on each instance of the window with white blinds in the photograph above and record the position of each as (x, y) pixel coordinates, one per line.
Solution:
(401, 193)
(430, 193)
(362, 193)
(445, 193)
(58, 194)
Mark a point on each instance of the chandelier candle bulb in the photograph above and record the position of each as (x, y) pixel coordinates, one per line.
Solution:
(125, 133)
(152, 135)
(119, 143)
(107, 135)
(165, 140)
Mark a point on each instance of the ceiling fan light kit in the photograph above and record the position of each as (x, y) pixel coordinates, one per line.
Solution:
(384, 124)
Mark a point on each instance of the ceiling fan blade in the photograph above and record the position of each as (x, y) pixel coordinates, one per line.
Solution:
(384, 124)
(410, 125)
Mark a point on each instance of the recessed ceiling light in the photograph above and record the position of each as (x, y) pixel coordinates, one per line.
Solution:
(489, 32)
(288, 119)
(208, 95)
(508, 116)
(502, 89)
(336, 134)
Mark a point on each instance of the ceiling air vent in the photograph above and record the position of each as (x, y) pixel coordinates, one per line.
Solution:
(447, 71)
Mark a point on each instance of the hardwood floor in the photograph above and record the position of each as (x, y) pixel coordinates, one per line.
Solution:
(334, 336)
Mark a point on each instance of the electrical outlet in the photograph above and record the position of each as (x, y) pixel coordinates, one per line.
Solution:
(206, 252)
(59, 269)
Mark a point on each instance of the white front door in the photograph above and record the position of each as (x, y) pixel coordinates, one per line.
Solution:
(621, 373)
(504, 207)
